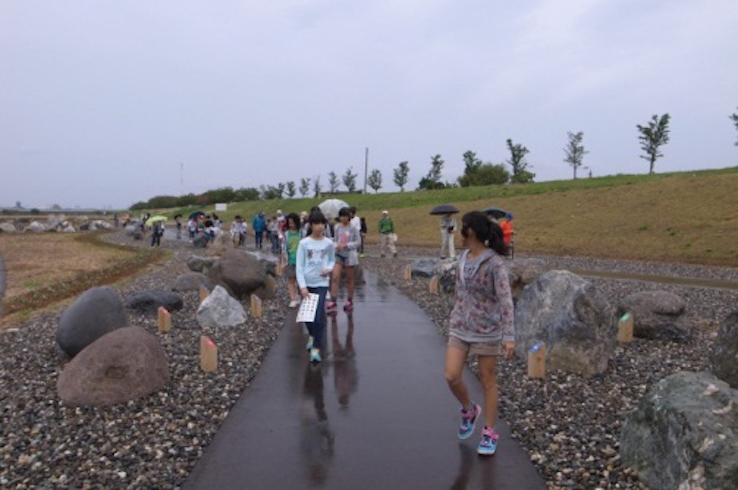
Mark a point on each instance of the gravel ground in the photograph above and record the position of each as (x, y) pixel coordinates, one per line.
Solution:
(149, 443)
(569, 425)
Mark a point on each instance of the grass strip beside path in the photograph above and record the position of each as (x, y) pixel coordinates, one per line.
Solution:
(140, 258)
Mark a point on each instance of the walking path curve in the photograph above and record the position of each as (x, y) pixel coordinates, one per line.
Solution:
(375, 414)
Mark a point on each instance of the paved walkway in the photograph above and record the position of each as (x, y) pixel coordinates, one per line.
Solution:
(376, 414)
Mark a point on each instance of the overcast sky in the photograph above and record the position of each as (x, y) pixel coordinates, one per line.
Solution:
(100, 102)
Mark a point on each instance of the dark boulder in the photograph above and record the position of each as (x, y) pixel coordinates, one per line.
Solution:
(150, 300)
(724, 361)
(94, 313)
(656, 315)
(684, 434)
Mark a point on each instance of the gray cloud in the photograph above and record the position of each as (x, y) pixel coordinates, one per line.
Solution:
(100, 102)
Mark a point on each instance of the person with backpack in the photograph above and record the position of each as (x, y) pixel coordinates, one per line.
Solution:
(481, 323)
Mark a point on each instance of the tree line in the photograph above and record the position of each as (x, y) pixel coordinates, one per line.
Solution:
(652, 136)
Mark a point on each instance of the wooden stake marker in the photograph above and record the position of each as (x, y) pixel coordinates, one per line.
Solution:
(433, 285)
(537, 361)
(408, 273)
(204, 293)
(255, 306)
(165, 320)
(625, 328)
(208, 355)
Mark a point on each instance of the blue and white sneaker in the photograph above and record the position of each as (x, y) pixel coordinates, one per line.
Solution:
(315, 356)
(468, 419)
(309, 345)
(488, 445)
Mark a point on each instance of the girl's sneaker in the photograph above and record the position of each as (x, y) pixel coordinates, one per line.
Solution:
(331, 306)
(294, 303)
(488, 445)
(315, 355)
(468, 419)
(309, 345)
(348, 305)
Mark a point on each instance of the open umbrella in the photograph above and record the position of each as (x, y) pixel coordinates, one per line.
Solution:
(196, 215)
(444, 209)
(331, 207)
(154, 219)
(496, 213)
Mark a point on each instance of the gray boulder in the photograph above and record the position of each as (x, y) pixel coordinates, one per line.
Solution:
(200, 241)
(138, 234)
(684, 434)
(656, 315)
(267, 261)
(724, 361)
(191, 282)
(69, 229)
(130, 229)
(446, 272)
(7, 228)
(150, 300)
(572, 317)
(123, 365)
(219, 309)
(94, 313)
(34, 227)
(523, 272)
(238, 272)
(425, 267)
(197, 263)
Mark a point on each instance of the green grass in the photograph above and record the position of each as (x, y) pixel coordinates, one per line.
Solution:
(675, 217)
(412, 199)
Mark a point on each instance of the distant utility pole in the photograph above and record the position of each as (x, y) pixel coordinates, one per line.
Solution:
(366, 167)
(181, 179)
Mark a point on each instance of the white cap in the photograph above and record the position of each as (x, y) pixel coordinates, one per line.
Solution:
(385, 212)
(279, 211)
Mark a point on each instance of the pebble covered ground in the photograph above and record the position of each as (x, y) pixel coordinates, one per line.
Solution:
(153, 442)
(570, 425)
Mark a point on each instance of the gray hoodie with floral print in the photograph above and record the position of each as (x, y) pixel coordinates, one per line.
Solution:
(484, 307)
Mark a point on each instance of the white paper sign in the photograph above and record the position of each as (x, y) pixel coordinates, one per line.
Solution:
(308, 308)
(221, 207)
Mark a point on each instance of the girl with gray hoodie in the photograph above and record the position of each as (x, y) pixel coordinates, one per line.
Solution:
(481, 323)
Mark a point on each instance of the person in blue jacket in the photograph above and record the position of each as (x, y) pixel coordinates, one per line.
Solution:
(259, 224)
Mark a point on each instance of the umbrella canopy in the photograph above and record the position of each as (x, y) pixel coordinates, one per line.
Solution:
(196, 215)
(154, 219)
(496, 213)
(444, 209)
(331, 207)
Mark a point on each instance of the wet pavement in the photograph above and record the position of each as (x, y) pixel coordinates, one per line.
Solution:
(376, 413)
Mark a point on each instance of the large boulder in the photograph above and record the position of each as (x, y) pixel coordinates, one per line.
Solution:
(684, 434)
(34, 227)
(131, 229)
(523, 272)
(724, 361)
(7, 228)
(191, 281)
(94, 313)
(269, 289)
(656, 315)
(150, 300)
(572, 317)
(424, 267)
(123, 365)
(219, 309)
(199, 264)
(268, 261)
(3, 282)
(201, 241)
(138, 234)
(240, 273)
